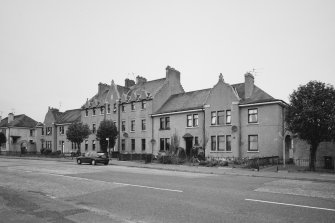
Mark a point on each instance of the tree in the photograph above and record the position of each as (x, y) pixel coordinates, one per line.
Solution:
(2, 138)
(77, 132)
(107, 130)
(311, 115)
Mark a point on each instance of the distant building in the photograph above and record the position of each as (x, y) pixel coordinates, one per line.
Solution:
(20, 132)
(52, 134)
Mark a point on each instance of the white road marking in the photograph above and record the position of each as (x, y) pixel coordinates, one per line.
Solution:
(123, 184)
(155, 188)
(295, 205)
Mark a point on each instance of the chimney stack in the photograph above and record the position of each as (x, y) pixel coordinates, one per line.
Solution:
(10, 117)
(140, 80)
(172, 75)
(248, 84)
(129, 83)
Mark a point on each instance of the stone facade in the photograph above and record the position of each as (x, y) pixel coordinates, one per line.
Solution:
(52, 134)
(238, 120)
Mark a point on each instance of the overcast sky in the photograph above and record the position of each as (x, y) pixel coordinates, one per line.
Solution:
(54, 53)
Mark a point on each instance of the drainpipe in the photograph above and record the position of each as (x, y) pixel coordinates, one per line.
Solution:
(152, 136)
(204, 132)
(119, 125)
(283, 132)
(8, 139)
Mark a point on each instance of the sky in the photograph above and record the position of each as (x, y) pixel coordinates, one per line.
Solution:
(55, 52)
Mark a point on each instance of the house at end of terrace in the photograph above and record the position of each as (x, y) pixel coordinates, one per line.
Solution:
(228, 120)
(238, 120)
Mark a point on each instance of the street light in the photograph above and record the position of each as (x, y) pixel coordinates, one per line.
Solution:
(107, 139)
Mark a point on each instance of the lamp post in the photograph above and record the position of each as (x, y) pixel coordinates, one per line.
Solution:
(108, 146)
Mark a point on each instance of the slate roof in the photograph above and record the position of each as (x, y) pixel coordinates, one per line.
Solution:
(196, 99)
(258, 95)
(99, 99)
(142, 89)
(185, 101)
(19, 121)
(151, 87)
(68, 116)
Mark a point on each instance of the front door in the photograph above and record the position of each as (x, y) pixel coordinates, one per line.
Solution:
(189, 144)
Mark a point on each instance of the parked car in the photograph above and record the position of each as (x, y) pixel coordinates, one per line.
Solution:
(93, 158)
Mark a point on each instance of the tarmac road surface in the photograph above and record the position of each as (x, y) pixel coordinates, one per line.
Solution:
(50, 191)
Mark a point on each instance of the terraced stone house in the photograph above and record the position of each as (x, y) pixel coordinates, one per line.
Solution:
(228, 120)
(52, 133)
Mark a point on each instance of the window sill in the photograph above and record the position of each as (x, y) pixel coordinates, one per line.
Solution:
(132, 131)
(221, 125)
(164, 129)
(191, 127)
(253, 151)
(253, 123)
(220, 151)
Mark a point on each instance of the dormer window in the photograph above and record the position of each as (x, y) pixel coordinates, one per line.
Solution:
(148, 95)
(138, 97)
(123, 108)
(108, 108)
(86, 112)
(94, 111)
(144, 105)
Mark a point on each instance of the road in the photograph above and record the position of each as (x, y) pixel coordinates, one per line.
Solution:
(51, 191)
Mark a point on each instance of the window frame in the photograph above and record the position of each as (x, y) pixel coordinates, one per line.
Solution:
(249, 143)
(218, 122)
(86, 112)
(213, 118)
(219, 142)
(228, 143)
(123, 125)
(93, 145)
(228, 116)
(189, 121)
(143, 105)
(143, 144)
(123, 144)
(132, 106)
(213, 143)
(108, 108)
(195, 120)
(144, 124)
(94, 128)
(133, 145)
(250, 115)
(61, 130)
(132, 125)
(94, 111)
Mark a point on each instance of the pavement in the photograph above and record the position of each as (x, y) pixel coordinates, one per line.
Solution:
(270, 172)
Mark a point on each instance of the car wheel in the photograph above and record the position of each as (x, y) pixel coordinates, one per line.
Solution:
(79, 161)
(93, 162)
